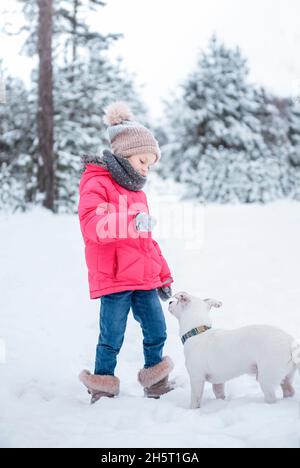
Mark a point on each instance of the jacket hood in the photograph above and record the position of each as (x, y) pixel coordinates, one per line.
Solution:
(92, 159)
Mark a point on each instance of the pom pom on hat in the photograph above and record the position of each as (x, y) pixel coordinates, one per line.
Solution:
(117, 112)
(128, 137)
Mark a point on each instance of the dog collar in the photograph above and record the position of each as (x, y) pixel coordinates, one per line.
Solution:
(193, 332)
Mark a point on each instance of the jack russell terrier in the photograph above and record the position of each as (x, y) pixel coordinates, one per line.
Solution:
(217, 356)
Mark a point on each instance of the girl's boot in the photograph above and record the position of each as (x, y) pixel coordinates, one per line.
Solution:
(155, 379)
(100, 385)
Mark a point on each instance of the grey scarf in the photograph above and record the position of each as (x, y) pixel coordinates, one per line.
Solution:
(123, 172)
(120, 168)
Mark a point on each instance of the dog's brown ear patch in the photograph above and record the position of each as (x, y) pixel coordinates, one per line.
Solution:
(213, 303)
(183, 297)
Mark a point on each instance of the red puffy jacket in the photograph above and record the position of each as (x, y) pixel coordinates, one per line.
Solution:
(118, 257)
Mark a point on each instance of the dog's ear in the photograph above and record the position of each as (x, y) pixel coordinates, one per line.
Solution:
(183, 298)
(213, 303)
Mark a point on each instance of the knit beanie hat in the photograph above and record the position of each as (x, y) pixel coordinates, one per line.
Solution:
(127, 136)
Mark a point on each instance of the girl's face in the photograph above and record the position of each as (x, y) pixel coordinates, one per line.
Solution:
(142, 162)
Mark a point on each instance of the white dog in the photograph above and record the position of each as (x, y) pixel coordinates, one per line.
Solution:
(217, 356)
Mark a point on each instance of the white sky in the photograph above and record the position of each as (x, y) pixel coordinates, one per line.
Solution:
(163, 37)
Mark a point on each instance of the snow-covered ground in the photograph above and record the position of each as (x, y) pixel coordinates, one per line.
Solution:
(250, 260)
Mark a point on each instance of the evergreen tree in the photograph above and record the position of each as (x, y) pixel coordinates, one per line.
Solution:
(273, 116)
(85, 81)
(294, 138)
(218, 145)
(18, 147)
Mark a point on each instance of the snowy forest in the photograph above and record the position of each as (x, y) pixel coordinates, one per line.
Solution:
(213, 81)
(226, 139)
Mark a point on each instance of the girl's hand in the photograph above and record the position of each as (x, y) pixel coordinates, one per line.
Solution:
(165, 293)
(144, 222)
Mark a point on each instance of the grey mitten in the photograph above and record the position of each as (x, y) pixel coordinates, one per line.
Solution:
(165, 293)
(144, 222)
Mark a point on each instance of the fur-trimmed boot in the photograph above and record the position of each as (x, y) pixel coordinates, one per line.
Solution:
(100, 385)
(155, 379)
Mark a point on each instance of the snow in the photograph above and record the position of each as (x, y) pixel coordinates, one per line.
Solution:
(249, 259)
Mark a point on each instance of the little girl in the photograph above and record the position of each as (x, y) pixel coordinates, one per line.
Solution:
(126, 268)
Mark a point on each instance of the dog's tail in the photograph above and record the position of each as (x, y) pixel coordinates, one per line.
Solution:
(296, 353)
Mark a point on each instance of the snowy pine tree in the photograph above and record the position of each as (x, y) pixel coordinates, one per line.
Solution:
(273, 116)
(218, 146)
(85, 81)
(18, 147)
(294, 138)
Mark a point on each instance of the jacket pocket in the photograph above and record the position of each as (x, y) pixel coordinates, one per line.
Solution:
(107, 261)
(129, 265)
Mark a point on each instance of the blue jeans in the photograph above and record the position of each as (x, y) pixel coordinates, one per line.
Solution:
(147, 310)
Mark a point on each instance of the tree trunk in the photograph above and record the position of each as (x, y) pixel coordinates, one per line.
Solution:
(45, 101)
(74, 38)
